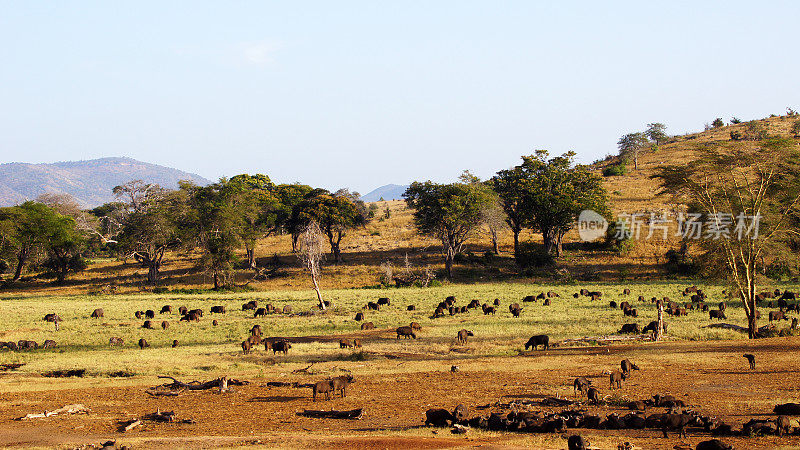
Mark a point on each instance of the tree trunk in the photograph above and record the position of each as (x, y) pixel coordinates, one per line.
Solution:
(295, 237)
(216, 280)
(547, 239)
(251, 258)
(516, 241)
(316, 289)
(559, 244)
(495, 247)
(20, 264)
(448, 262)
(152, 271)
(660, 328)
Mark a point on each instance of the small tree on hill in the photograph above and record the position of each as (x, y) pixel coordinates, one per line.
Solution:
(656, 132)
(310, 254)
(631, 145)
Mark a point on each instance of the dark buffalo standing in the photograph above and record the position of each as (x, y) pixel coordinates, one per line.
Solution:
(49, 343)
(410, 308)
(462, 336)
(182, 310)
(113, 341)
(367, 326)
(260, 312)
(581, 385)
(323, 387)
(287, 309)
(97, 313)
(415, 326)
(488, 310)
(340, 384)
(344, 343)
(281, 346)
(593, 395)
(150, 314)
(255, 330)
(616, 378)
(626, 365)
(439, 417)
(166, 309)
(357, 343)
(675, 422)
(219, 309)
(497, 302)
(515, 309)
(147, 324)
(359, 317)
(246, 346)
(139, 314)
(716, 314)
(373, 306)
(529, 298)
(384, 301)
(626, 291)
(174, 343)
(164, 325)
(751, 359)
(252, 304)
(143, 344)
(630, 328)
(406, 332)
(535, 341)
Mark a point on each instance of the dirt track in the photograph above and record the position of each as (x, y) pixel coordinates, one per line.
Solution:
(395, 393)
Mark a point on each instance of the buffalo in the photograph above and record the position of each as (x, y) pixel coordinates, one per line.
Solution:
(183, 310)
(166, 309)
(323, 387)
(373, 306)
(97, 313)
(260, 312)
(535, 341)
(340, 384)
(415, 326)
(143, 344)
(367, 326)
(384, 301)
(410, 308)
(439, 417)
(49, 343)
(406, 332)
(615, 379)
(750, 359)
(246, 346)
(627, 366)
(344, 343)
(675, 422)
(113, 341)
(359, 317)
(281, 346)
(717, 314)
(462, 336)
(630, 328)
(150, 314)
(217, 309)
(581, 385)
(164, 324)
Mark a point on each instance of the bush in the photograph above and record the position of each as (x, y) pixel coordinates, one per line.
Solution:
(620, 246)
(617, 170)
(533, 255)
(735, 121)
(717, 123)
(678, 263)
(796, 128)
(778, 271)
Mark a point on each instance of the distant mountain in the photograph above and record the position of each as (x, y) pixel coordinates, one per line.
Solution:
(90, 182)
(388, 192)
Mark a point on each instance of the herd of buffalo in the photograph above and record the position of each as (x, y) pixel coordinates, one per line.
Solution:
(675, 416)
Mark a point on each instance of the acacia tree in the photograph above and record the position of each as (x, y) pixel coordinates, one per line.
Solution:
(24, 235)
(64, 245)
(656, 132)
(448, 212)
(259, 209)
(631, 145)
(335, 214)
(289, 196)
(557, 192)
(511, 187)
(748, 199)
(147, 216)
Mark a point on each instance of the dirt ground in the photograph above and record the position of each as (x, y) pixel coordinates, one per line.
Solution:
(711, 376)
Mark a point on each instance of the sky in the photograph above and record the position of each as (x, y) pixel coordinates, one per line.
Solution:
(359, 94)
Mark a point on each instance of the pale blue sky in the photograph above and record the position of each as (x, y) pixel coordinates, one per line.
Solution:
(361, 94)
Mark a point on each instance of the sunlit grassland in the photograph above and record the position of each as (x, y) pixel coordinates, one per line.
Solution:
(206, 350)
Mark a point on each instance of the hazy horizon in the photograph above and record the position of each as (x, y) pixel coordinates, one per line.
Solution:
(360, 95)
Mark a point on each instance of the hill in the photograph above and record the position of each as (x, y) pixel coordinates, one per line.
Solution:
(90, 181)
(387, 192)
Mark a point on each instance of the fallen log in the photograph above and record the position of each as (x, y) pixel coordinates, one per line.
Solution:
(200, 386)
(132, 425)
(354, 414)
(68, 409)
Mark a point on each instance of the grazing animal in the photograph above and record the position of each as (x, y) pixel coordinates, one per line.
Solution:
(626, 291)
(373, 306)
(529, 298)
(630, 328)
(497, 302)
(546, 302)
(97, 313)
(49, 343)
(147, 324)
(246, 346)
(174, 343)
(281, 346)
(552, 294)
(217, 309)
(214, 322)
(112, 341)
(340, 384)
(515, 309)
(143, 344)
(344, 343)
(717, 314)
(150, 314)
(267, 345)
(722, 306)
(256, 330)
(488, 310)
(323, 387)
(777, 315)
(166, 309)
(406, 332)
(287, 309)
(581, 385)
(782, 423)
(139, 314)
(252, 304)
(183, 310)
(462, 336)
(415, 326)
(593, 395)
(675, 422)
(577, 442)
(627, 366)
(197, 312)
(164, 324)
(616, 378)
(410, 308)
(357, 343)
(191, 317)
(367, 326)
(260, 312)
(612, 304)
(384, 301)
(535, 341)
(439, 417)
(359, 317)
(254, 340)
(751, 359)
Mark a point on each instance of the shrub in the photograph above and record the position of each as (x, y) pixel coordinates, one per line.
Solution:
(617, 170)
(735, 121)
(621, 246)
(778, 271)
(717, 123)
(796, 128)
(678, 263)
(755, 131)
(533, 255)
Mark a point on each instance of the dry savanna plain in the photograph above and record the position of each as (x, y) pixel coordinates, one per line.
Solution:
(395, 381)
